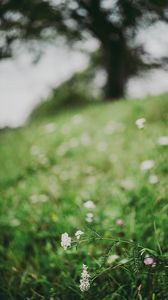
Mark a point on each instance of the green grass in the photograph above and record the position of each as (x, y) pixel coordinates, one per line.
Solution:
(90, 160)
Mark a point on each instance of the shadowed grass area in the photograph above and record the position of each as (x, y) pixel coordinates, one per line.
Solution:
(50, 168)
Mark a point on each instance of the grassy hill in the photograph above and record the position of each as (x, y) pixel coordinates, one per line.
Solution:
(50, 169)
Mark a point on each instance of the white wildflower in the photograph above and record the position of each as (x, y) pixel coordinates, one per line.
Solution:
(65, 240)
(163, 141)
(78, 234)
(89, 204)
(89, 217)
(65, 129)
(84, 281)
(73, 143)
(153, 179)
(147, 165)
(140, 123)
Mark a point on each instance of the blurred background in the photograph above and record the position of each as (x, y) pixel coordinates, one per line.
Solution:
(121, 47)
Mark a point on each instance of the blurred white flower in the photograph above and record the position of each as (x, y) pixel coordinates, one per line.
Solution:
(89, 217)
(65, 240)
(110, 128)
(62, 149)
(112, 258)
(73, 143)
(91, 180)
(153, 179)
(35, 150)
(39, 198)
(127, 184)
(102, 146)
(15, 222)
(78, 234)
(163, 141)
(85, 139)
(147, 165)
(49, 128)
(140, 123)
(84, 281)
(77, 119)
(42, 159)
(89, 204)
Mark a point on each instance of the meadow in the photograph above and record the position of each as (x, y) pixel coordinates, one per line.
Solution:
(89, 169)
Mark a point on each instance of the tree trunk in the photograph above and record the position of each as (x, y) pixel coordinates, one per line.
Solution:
(114, 63)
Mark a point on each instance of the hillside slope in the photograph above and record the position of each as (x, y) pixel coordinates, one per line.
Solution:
(50, 169)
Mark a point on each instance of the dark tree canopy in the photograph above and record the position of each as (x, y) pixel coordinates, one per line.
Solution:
(114, 23)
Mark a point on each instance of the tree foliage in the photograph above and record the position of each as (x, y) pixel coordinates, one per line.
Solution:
(114, 23)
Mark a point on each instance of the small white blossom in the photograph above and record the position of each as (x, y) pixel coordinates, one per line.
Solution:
(65, 240)
(163, 141)
(153, 179)
(78, 234)
(147, 165)
(140, 123)
(89, 217)
(84, 281)
(89, 204)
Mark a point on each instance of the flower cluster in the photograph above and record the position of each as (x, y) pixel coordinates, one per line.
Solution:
(78, 234)
(89, 204)
(140, 123)
(84, 281)
(163, 140)
(65, 240)
(147, 165)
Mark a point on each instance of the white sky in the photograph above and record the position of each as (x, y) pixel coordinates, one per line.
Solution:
(24, 84)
